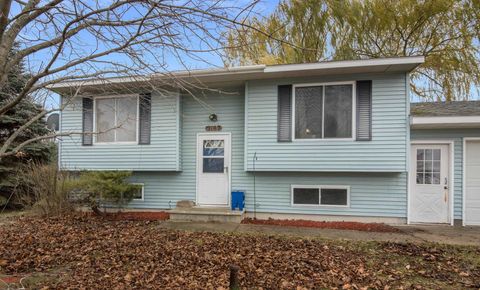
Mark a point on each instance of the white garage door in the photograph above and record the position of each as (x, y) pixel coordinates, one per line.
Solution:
(472, 183)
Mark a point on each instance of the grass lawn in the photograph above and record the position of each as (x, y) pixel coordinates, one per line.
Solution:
(87, 252)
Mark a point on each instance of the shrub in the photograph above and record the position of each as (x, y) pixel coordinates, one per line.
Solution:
(43, 188)
(49, 191)
(105, 187)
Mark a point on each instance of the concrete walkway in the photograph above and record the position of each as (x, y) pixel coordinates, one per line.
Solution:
(424, 233)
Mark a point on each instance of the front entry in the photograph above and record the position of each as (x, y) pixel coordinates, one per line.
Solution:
(213, 169)
(429, 184)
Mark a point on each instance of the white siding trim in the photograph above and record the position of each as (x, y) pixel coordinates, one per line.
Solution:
(59, 143)
(344, 64)
(256, 71)
(445, 122)
(464, 168)
(178, 130)
(451, 175)
(245, 129)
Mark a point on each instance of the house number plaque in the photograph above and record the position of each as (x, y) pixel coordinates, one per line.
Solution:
(215, 128)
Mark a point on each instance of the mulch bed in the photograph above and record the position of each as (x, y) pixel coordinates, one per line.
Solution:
(138, 216)
(87, 252)
(366, 227)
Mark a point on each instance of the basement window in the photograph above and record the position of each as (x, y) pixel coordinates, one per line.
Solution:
(320, 195)
(139, 193)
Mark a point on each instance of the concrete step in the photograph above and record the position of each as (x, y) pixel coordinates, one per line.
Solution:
(206, 214)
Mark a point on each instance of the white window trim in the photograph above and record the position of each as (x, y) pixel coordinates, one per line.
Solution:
(320, 187)
(95, 119)
(143, 191)
(354, 108)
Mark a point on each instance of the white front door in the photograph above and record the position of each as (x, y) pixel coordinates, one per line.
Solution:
(472, 183)
(213, 169)
(429, 183)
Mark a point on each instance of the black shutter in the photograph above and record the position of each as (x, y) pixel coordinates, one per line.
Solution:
(145, 112)
(87, 121)
(284, 122)
(364, 110)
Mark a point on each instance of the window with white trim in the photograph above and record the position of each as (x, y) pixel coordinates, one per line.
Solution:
(324, 111)
(317, 195)
(116, 119)
(138, 195)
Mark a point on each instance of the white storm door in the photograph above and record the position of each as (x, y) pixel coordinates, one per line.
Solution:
(429, 181)
(472, 183)
(213, 169)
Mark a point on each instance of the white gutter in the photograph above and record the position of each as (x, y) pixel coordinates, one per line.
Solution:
(445, 122)
(214, 71)
(93, 82)
(345, 64)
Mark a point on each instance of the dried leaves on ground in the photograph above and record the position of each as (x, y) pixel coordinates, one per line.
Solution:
(91, 253)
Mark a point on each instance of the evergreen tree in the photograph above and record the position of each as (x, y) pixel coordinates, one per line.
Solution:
(13, 119)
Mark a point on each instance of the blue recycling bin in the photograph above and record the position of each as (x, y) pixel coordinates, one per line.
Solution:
(238, 199)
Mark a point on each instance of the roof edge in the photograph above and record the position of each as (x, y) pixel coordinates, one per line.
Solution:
(251, 70)
(346, 64)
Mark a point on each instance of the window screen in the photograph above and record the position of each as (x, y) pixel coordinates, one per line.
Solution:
(338, 111)
(105, 115)
(308, 112)
(306, 196)
(320, 195)
(116, 119)
(126, 119)
(324, 112)
(334, 196)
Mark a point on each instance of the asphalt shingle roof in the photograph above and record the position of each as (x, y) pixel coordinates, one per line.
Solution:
(457, 108)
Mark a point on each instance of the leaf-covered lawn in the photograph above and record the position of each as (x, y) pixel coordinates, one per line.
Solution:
(86, 252)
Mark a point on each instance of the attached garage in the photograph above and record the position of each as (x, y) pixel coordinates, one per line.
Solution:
(434, 125)
(471, 182)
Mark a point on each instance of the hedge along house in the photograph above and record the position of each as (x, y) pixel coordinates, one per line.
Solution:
(325, 141)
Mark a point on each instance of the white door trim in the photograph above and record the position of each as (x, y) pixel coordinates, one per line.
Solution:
(464, 168)
(229, 166)
(451, 175)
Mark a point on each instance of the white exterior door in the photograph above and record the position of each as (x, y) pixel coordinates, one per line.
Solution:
(472, 183)
(429, 184)
(213, 169)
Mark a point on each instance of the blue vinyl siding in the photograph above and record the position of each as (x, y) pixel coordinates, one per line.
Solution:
(457, 136)
(372, 194)
(161, 154)
(167, 167)
(163, 190)
(385, 153)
